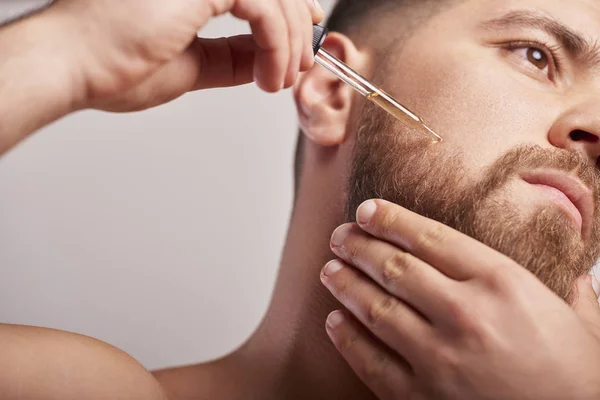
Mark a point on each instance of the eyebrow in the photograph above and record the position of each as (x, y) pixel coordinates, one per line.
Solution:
(572, 41)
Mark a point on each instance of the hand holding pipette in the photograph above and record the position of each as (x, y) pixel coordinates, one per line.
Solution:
(133, 55)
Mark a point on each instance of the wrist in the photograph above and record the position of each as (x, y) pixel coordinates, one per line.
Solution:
(38, 81)
(60, 48)
(40, 56)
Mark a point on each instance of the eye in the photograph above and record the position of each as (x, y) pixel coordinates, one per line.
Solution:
(535, 57)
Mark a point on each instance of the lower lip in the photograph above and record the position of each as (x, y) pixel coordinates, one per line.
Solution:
(561, 199)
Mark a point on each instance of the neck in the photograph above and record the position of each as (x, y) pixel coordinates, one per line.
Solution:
(290, 351)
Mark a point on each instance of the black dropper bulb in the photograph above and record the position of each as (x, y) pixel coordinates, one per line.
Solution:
(319, 35)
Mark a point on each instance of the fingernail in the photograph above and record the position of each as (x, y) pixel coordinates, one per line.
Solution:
(365, 212)
(332, 267)
(317, 5)
(339, 235)
(335, 319)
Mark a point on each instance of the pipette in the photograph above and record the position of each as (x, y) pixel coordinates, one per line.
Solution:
(363, 86)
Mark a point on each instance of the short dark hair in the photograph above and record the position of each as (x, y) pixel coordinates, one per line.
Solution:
(348, 17)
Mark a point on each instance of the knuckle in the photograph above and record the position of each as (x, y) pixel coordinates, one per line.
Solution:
(431, 237)
(471, 324)
(394, 269)
(481, 336)
(458, 313)
(498, 280)
(373, 368)
(379, 310)
(446, 358)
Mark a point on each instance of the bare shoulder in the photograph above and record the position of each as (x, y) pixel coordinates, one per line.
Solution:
(39, 363)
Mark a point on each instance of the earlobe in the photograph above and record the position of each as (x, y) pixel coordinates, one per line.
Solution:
(322, 100)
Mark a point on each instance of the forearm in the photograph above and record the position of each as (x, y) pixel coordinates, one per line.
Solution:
(38, 77)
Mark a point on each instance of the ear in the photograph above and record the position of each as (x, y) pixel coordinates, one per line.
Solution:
(322, 100)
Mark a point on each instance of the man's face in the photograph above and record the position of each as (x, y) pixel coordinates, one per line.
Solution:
(513, 86)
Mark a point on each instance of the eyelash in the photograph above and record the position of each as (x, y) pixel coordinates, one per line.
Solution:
(552, 52)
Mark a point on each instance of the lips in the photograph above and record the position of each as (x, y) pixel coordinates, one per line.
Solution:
(568, 191)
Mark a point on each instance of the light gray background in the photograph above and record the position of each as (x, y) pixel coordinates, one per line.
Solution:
(158, 232)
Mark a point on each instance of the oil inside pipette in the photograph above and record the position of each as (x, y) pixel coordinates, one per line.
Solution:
(364, 87)
(400, 112)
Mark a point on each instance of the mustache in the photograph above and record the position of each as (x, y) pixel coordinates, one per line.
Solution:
(531, 157)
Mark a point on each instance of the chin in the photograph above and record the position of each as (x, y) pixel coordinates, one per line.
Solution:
(546, 242)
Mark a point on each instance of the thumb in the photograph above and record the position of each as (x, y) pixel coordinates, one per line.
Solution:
(585, 301)
(207, 63)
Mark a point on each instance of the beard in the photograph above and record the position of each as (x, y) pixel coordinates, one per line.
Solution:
(423, 177)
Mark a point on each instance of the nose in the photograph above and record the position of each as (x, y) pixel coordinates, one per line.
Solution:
(579, 129)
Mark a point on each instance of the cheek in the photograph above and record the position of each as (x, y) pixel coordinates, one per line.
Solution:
(477, 104)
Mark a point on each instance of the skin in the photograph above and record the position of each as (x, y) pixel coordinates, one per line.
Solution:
(413, 288)
(436, 298)
(290, 355)
(96, 56)
(116, 64)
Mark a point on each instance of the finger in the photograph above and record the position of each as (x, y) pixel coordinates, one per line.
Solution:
(270, 32)
(207, 63)
(306, 56)
(387, 317)
(400, 273)
(585, 302)
(451, 252)
(316, 12)
(224, 62)
(384, 372)
(294, 22)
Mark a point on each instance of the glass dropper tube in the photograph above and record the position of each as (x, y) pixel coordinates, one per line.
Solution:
(372, 92)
